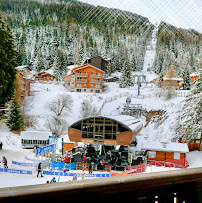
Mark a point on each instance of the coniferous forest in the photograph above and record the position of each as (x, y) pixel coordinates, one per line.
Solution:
(48, 33)
(178, 46)
(58, 33)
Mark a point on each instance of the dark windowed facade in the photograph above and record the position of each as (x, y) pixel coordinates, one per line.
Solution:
(100, 129)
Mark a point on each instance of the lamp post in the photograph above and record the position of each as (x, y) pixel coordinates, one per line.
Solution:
(54, 147)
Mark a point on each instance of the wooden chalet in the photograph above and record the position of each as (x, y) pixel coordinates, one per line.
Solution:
(194, 144)
(113, 130)
(98, 62)
(169, 79)
(44, 76)
(194, 77)
(22, 86)
(84, 78)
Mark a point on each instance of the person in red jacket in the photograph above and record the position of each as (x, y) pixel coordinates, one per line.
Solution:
(5, 162)
(84, 158)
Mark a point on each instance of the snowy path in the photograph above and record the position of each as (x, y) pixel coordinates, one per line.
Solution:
(150, 56)
(150, 52)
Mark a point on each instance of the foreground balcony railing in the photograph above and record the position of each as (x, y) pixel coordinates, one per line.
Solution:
(184, 185)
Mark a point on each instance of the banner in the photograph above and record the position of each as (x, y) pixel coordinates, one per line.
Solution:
(6, 170)
(97, 175)
(29, 159)
(23, 164)
(44, 150)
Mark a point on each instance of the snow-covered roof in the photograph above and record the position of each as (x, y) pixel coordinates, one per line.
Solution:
(144, 144)
(35, 135)
(129, 121)
(194, 74)
(22, 68)
(177, 79)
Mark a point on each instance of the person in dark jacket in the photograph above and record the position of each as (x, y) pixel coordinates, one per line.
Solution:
(1, 145)
(39, 170)
(90, 168)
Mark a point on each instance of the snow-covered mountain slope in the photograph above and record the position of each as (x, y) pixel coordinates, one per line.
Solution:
(149, 58)
(162, 128)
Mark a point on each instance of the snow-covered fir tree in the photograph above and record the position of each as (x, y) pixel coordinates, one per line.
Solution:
(126, 79)
(60, 66)
(187, 81)
(191, 119)
(15, 119)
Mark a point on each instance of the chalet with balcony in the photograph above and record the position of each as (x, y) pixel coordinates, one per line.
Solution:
(113, 130)
(85, 78)
(44, 76)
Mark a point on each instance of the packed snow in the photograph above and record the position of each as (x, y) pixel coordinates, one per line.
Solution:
(161, 128)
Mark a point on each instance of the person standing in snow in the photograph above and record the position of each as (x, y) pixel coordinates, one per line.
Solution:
(90, 168)
(39, 170)
(1, 145)
(5, 162)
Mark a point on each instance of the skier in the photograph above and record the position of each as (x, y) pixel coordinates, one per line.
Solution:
(5, 162)
(39, 170)
(1, 145)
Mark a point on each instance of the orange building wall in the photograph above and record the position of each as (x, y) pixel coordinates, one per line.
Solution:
(67, 78)
(162, 156)
(194, 78)
(88, 71)
(68, 146)
(22, 87)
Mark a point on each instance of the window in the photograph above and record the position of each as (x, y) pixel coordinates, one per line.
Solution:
(151, 154)
(177, 155)
(84, 90)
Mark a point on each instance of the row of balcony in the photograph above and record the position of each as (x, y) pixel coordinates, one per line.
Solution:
(92, 81)
(86, 75)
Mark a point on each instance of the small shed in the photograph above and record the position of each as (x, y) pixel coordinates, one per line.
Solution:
(31, 139)
(161, 151)
(110, 130)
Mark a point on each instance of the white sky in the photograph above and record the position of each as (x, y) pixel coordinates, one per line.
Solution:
(180, 13)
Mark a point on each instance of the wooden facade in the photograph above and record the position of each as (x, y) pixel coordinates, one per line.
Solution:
(22, 86)
(170, 80)
(98, 62)
(85, 78)
(105, 130)
(43, 76)
(162, 155)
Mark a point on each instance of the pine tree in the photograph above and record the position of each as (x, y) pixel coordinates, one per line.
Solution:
(15, 119)
(60, 65)
(7, 63)
(191, 122)
(187, 81)
(126, 77)
(159, 82)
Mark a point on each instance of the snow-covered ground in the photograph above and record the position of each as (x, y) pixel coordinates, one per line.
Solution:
(159, 129)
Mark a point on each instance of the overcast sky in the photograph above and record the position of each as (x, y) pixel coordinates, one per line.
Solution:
(180, 13)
